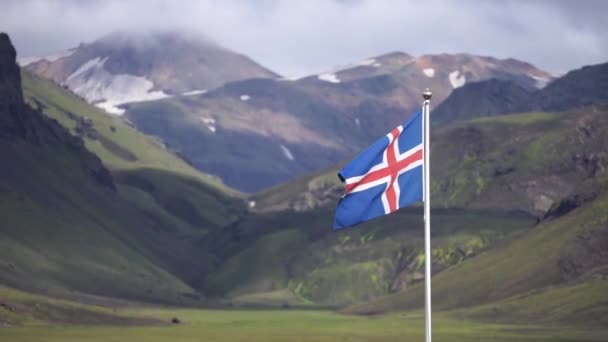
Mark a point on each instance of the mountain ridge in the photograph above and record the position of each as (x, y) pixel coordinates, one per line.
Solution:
(308, 124)
(126, 67)
(577, 88)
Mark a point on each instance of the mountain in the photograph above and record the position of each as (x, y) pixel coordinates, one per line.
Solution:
(553, 273)
(257, 133)
(481, 99)
(442, 73)
(548, 168)
(519, 199)
(578, 88)
(524, 162)
(196, 234)
(129, 67)
(159, 231)
(581, 87)
(123, 226)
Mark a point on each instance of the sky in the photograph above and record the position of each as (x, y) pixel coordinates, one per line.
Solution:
(296, 38)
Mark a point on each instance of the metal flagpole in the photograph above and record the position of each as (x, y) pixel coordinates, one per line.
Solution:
(427, 215)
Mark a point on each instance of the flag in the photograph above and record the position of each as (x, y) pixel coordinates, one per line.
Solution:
(385, 177)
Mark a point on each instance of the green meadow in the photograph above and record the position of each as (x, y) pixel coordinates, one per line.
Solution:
(288, 325)
(30, 317)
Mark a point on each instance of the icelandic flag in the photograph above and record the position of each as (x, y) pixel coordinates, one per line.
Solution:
(383, 178)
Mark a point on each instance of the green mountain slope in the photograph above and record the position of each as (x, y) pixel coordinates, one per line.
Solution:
(69, 225)
(554, 272)
(71, 235)
(522, 161)
(21, 309)
(174, 196)
(542, 164)
(299, 252)
(553, 165)
(120, 146)
(525, 162)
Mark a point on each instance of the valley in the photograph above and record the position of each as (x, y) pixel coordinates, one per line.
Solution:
(215, 207)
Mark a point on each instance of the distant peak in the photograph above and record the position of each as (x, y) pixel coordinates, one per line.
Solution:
(153, 37)
(395, 54)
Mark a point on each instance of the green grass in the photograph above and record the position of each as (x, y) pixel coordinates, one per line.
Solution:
(519, 119)
(286, 325)
(583, 304)
(518, 265)
(279, 196)
(511, 161)
(38, 318)
(278, 299)
(61, 232)
(502, 162)
(299, 252)
(18, 308)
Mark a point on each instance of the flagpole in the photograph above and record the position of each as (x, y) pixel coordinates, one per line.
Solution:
(427, 215)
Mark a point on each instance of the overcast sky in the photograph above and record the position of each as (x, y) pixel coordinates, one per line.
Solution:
(302, 37)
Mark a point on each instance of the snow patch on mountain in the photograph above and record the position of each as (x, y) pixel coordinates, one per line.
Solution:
(245, 97)
(110, 108)
(456, 79)
(194, 92)
(541, 82)
(108, 91)
(289, 78)
(329, 77)
(368, 62)
(210, 123)
(286, 152)
(89, 65)
(429, 72)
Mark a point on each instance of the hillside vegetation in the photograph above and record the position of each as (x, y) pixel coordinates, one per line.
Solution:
(555, 271)
(542, 164)
(70, 226)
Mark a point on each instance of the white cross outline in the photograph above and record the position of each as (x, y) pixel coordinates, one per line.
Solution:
(384, 164)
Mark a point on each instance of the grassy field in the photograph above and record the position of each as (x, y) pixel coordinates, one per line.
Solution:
(30, 317)
(277, 325)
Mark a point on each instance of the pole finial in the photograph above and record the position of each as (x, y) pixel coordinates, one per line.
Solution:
(427, 94)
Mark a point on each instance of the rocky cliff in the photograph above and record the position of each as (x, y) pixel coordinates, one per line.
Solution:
(21, 123)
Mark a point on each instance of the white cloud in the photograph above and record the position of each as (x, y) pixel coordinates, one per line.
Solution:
(306, 37)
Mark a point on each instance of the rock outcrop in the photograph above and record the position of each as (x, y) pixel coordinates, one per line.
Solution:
(21, 123)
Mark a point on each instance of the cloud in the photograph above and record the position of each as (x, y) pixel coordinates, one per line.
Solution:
(303, 37)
